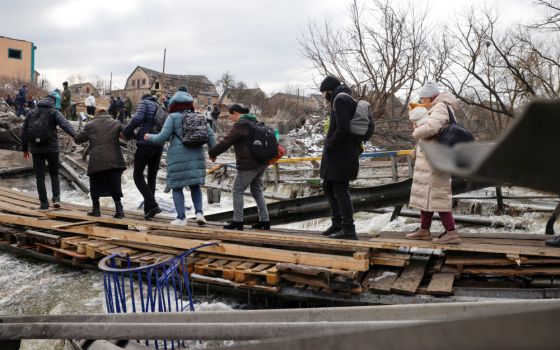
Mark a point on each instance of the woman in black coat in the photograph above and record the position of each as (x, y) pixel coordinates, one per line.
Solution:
(106, 162)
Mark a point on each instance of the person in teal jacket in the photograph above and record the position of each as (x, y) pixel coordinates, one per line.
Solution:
(186, 166)
(56, 95)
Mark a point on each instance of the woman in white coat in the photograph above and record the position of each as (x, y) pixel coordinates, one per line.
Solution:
(431, 189)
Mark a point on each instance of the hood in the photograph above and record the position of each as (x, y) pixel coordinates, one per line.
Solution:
(149, 98)
(181, 97)
(248, 116)
(341, 88)
(46, 101)
(447, 97)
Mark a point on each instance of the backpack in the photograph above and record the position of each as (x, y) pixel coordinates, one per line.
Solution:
(195, 130)
(361, 124)
(263, 143)
(159, 119)
(454, 132)
(39, 129)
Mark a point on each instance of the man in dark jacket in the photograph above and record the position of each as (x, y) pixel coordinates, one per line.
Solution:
(147, 153)
(113, 110)
(340, 161)
(127, 108)
(39, 136)
(120, 109)
(21, 99)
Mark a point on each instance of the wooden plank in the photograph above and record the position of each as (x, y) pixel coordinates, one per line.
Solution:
(411, 277)
(441, 284)
(505, 271)
(380, 280)
(64, 252)
(79, 223)
(260, 267)
(271, 254)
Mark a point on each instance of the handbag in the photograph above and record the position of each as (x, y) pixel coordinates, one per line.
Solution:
(454, 133)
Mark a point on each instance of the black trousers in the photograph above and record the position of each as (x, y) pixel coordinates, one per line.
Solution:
(40, 169)
(90, 110)
(338, 196)
(147, 156)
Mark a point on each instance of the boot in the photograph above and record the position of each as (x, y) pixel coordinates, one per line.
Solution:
(234, 225)
(95, 211)
(261, 225)
(56, 202)
(553, 242)
(119, 213)
(420, 233)
(43, 206)
(448, 237)
(152, 212)
(348, 232)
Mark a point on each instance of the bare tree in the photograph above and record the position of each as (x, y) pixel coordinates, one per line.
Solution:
(379, 55)
(227, 81)
(551, 19)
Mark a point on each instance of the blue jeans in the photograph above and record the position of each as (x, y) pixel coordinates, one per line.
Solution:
(179, 200)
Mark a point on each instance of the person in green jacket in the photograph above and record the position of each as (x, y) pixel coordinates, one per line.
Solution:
(66, 99)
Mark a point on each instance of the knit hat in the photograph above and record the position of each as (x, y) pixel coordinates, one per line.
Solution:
(329, 84)
(182, 88)
(430, 90)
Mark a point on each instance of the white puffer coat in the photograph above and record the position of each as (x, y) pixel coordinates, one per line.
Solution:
(431, 189)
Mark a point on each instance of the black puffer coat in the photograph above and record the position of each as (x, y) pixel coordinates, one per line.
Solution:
(103, 136)
(341, 152)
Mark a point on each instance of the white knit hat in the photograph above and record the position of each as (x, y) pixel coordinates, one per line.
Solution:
(430, 89)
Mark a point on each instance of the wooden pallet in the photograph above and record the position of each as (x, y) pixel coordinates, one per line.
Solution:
(248, 273)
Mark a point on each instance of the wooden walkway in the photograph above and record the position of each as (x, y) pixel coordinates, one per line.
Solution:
(273, 260)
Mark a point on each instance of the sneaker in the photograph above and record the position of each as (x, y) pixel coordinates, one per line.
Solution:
(448, 237)
(261, 225)
(179, 222)
(200, 219)
(152, 212)
(56, 202)
(234, 225)
(553, 242)
(332, 230)
(420, 233)
(344, 235)
(43, 206)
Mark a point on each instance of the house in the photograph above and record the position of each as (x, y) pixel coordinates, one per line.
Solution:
(289, 106)
(254, 99)
(17, 59)
(83, 90)
(148, 81)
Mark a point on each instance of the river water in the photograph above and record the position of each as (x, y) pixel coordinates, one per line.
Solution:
(33, 287)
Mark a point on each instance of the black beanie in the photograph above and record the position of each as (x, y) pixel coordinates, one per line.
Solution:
(182, 88)
(329, 84)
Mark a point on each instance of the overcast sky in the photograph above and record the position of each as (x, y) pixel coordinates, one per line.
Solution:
(255, 40)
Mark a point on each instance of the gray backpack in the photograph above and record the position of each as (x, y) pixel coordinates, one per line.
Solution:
(195, 129)
(361, 124)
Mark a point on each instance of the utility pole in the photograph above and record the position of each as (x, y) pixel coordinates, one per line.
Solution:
(163, 70)
(111, 84)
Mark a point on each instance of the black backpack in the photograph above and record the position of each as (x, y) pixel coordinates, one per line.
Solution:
(195, 129)
(159, 118)
(454, 132)
(39, 128)
(262, 142)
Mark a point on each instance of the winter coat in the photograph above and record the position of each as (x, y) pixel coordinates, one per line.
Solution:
(90, 101)
(238, 137)
(341, 152)
(120, 105)
(143, 119)
(66, 98)
(105, 151)
(45, 109)
(431, 189)
(186, 166)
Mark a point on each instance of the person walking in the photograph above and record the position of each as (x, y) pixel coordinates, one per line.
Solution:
(113, 109)
(215, 115)
(39, 136)
(127, 108)
(147, 154)
(208, 117)
(120, 109)
(106, 162)
(249, 170)
(21, 99)
(90, 104)
(340, 160)
(66, 99)
(431, 189)
(186, 166)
